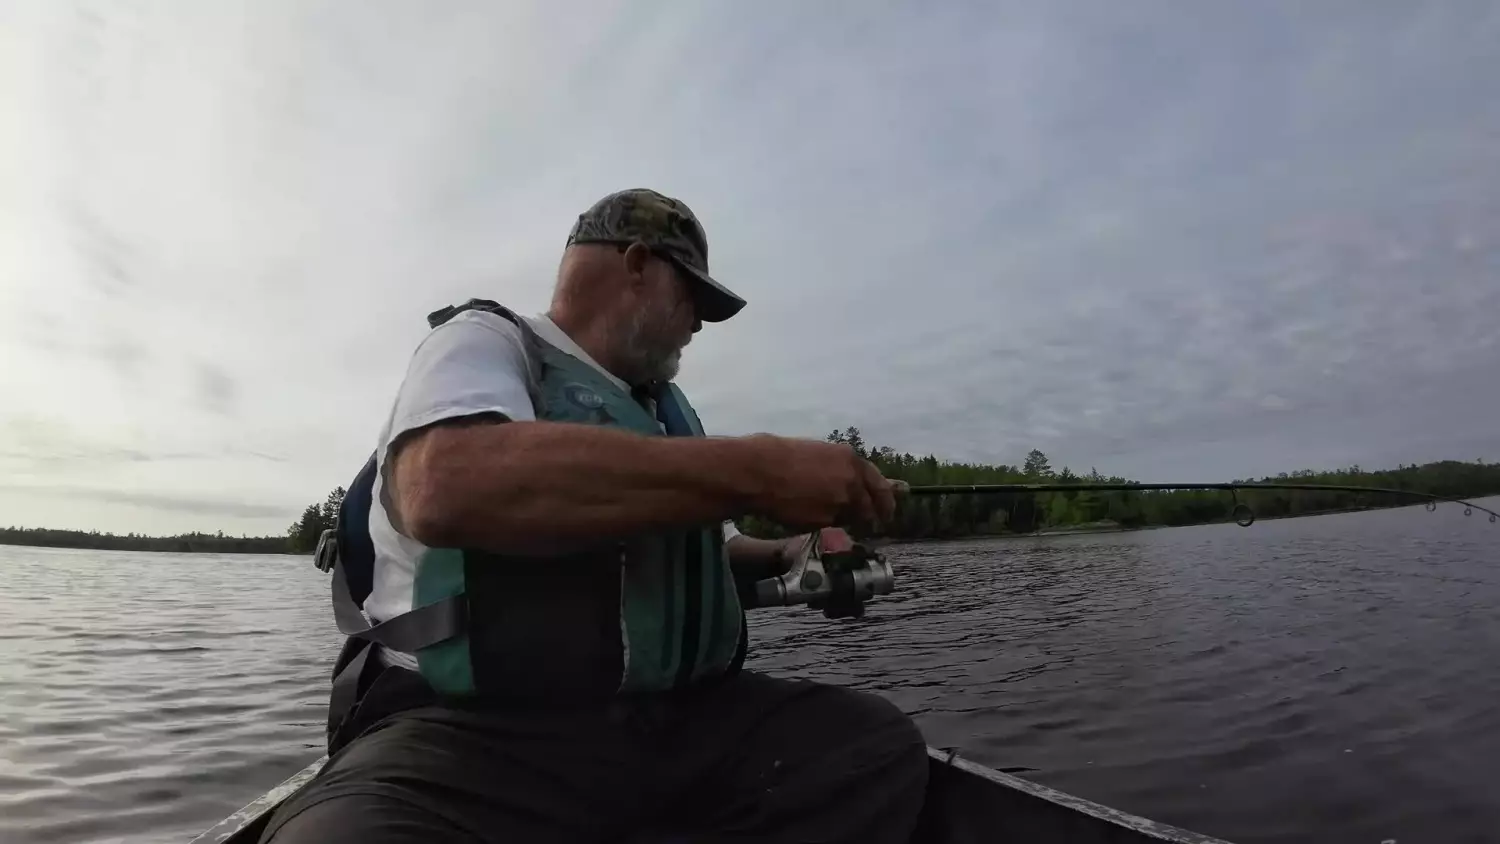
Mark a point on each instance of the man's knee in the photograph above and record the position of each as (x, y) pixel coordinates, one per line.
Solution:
(875, 711)
(885, 710)
(845, 766)
(360, 819)
(877, 728)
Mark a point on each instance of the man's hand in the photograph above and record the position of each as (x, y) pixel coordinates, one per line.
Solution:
(787, 551)
(830, 540)
(810, 484)
(761, 558)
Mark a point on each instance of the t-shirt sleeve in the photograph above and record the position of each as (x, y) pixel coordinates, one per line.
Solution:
(472, 364)
(731, 530)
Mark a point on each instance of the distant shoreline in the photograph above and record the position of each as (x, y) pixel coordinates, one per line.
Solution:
(1088, 531)
(278, 546)
(208, 544)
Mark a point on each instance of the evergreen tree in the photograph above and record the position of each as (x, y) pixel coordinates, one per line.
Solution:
(1036, 465)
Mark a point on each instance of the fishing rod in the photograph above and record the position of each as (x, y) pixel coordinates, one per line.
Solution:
(831, 573)
(1241, 512)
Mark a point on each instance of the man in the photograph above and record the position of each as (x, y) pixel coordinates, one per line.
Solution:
(547, 473)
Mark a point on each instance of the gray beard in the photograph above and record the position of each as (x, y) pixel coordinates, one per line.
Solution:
(648, 356)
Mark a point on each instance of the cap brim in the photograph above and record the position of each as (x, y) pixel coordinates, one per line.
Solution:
(717, 302)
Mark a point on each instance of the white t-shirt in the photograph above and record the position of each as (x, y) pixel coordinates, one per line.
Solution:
(474, 363)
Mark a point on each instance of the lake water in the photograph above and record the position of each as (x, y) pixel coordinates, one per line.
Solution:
(1332, 679)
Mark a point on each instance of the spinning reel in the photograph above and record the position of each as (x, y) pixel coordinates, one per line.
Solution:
(830, 573)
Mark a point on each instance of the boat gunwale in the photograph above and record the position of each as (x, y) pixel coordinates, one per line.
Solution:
(1072, 802)
(259, 809)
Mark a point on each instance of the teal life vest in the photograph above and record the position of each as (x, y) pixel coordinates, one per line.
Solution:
(649, 613)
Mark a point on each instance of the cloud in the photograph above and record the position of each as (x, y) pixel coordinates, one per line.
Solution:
(1213, 243)
(174, 504)
(216, 389)
(109, 264)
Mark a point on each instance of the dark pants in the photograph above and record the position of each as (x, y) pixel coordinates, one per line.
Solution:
(752, 759)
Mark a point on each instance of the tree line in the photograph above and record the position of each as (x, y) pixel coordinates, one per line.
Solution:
(945, 516)
(197, 543)
(301, 537)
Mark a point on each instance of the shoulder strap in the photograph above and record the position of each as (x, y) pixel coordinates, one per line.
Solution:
(442, 315)
(351, 551)
(674, 412)
(531, 340)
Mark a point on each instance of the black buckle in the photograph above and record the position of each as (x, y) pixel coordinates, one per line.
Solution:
(326, 555)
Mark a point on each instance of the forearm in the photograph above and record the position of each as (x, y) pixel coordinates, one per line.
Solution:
(523, 485)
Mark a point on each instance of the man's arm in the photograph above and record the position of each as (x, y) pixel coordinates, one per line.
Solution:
(516, 486)
(466, 463)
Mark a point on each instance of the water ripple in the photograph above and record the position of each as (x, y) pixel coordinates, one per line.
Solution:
(1323, 679)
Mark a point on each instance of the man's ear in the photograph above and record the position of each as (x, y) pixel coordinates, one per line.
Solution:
(637, 256)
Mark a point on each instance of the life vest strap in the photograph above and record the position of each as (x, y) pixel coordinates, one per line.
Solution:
(408, 632)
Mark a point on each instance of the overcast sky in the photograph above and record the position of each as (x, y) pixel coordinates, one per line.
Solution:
(1185, 241)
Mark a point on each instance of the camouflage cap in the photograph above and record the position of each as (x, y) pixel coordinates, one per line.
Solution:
(669, 228)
